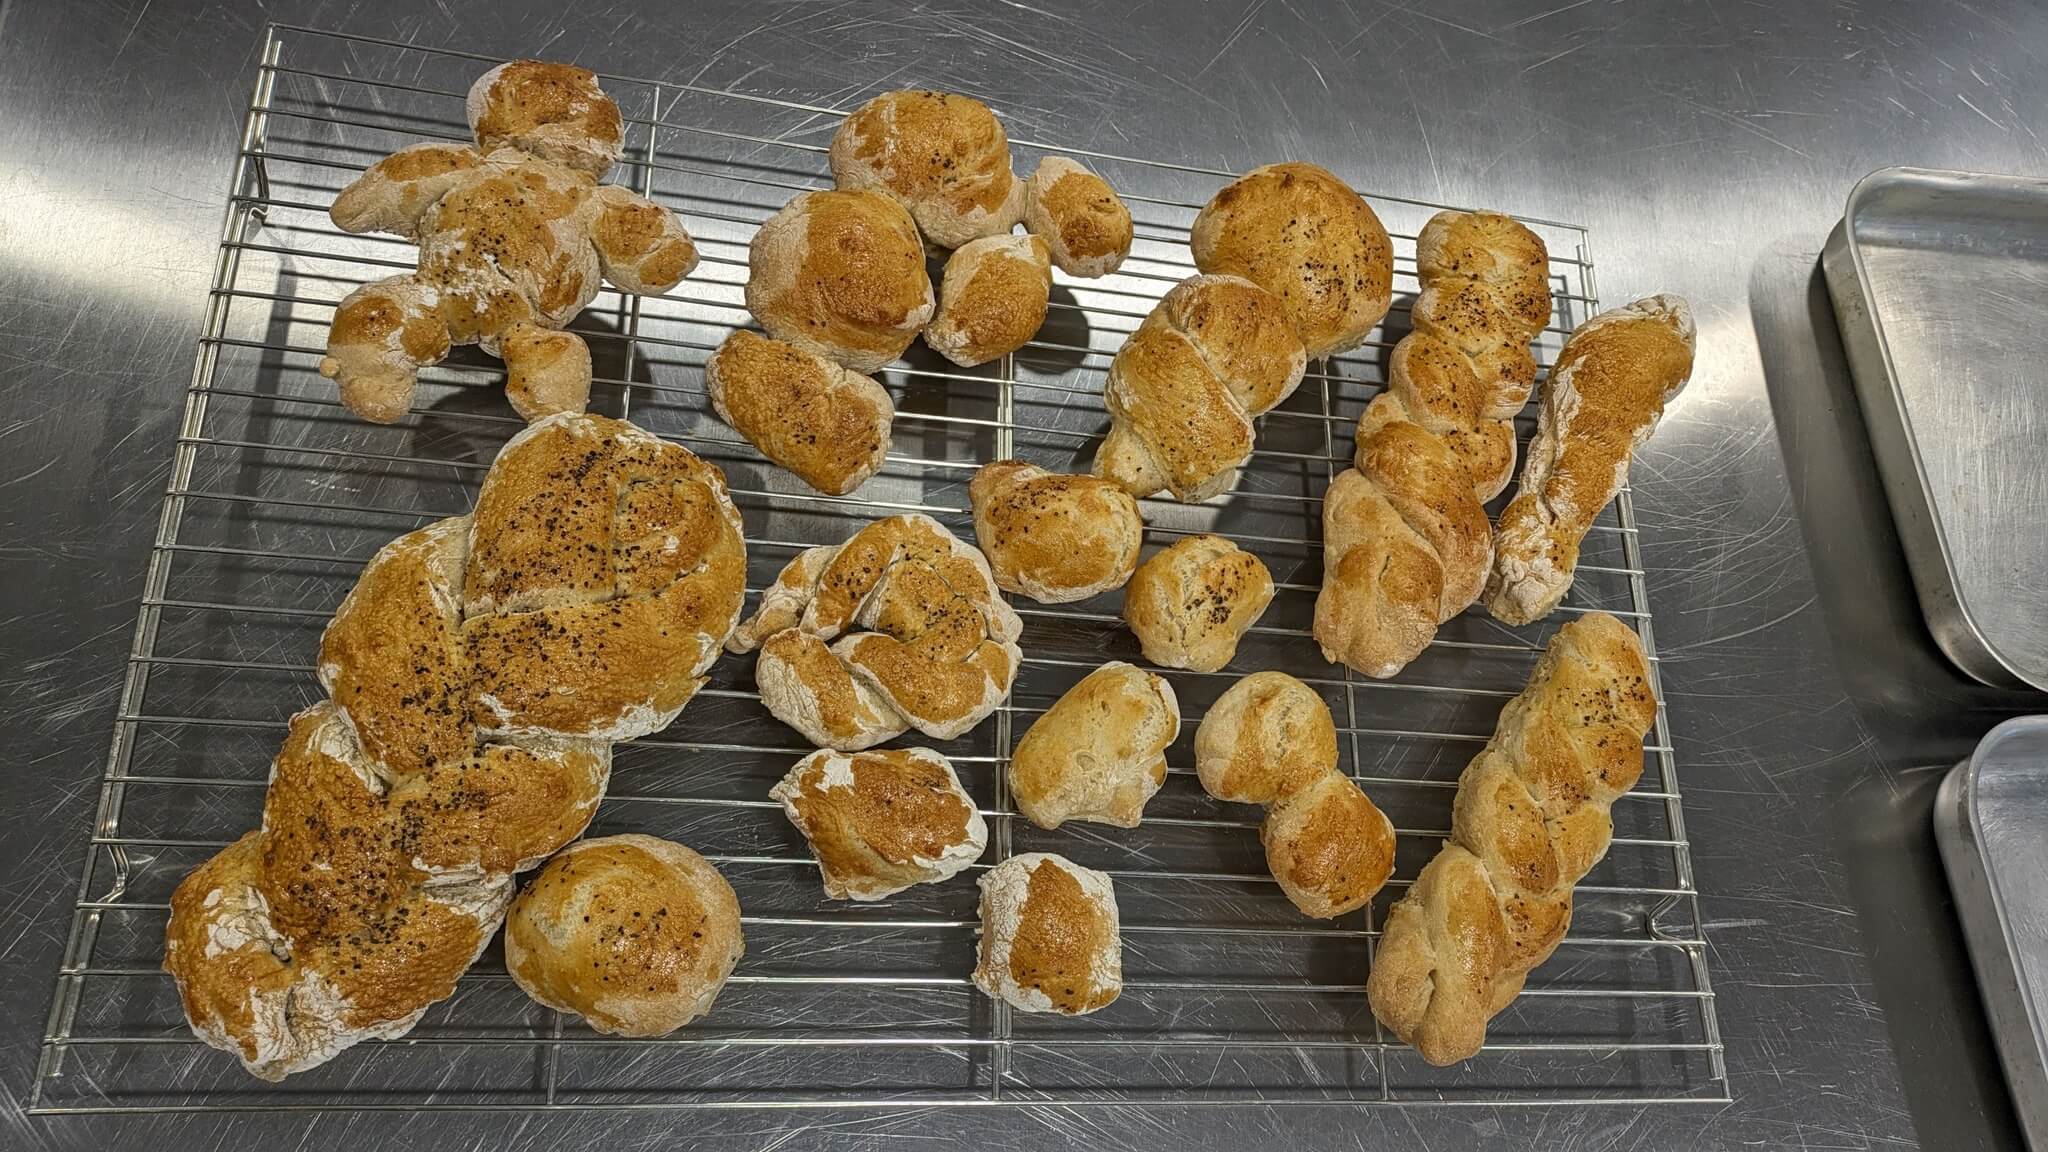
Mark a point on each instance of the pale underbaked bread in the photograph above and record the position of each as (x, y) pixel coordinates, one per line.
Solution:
(1530, 819)
(1605, 395)
(1183, 389)
(1079, 216)
(881, 821)
(826, 424)
(1191, 602)
(1054, 537)
(992, 299)
(1050, 938)
(478, 672)
(1302, 234)
(635, 934)
(840, 274)
(944, 156)
(1099, 753)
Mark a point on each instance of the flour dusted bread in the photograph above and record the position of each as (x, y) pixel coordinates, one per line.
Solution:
(1530, 819)
(992, 299)
(1192, 601)
(879, 822)
(944, 156)
(1099, 753)
(828, 425)
(634, 934)
(840, 274)
(1053, 537)
(1082, 220)
(1050, 937)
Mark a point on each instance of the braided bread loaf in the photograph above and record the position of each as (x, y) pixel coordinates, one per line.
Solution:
(478, 672)
(1406, 540)
(1531, 818)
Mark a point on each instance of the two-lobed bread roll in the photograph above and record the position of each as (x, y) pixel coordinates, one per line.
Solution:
(1192, 601)
(1082, 220)
(944, 156)
(1302, 234)
(840, 274)
(1050, 938)
(635, 934)
(879, 822)
(1099, 753)
(827, 425)
(992, 299)
(1606, 392)
(1530, 819)
(1053, 537)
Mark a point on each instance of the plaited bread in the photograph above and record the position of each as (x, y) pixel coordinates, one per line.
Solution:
(828, 425)
(944, 156)
(1053, 537)
(1050, 939)
(1099, 753)
(1191, 602)
(634, 934)
(992, 299)
(1302, 234)
(1530, 819)
(879, 822)
(1079, 216)
(840, 274)
(1605, 395)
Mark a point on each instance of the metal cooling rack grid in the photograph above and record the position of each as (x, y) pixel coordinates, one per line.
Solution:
(277, 496)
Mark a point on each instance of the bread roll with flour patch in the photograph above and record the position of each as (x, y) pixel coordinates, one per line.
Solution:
(992, 299)
(1050, 938)
(944, 156)
(1080, 217)
(879, 822)
(840, 274)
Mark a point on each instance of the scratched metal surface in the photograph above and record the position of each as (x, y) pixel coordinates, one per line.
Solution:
(1706, 147)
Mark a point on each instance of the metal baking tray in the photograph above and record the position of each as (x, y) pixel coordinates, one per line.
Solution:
(1988, 819)
(1940, 281)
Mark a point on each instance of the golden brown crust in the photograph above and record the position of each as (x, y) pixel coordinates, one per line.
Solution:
(1268, 736)
(840, 274)
(1083, 222)
(807, 686)
(827, 425)
(879, 822)
(1049, 936)
(944, 156)
(992, 299)
(1055, 538)
(549, 109)
(1192, 601)
(1383, 587)
(1329, 846)
(1099, 753)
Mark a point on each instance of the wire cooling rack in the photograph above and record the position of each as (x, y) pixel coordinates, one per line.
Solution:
(277, 496)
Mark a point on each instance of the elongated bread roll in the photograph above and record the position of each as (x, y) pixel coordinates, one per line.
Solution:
(1099, 753)
(1079, 216)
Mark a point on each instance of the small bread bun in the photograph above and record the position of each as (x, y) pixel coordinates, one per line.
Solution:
(1079, 216)
(992, 299)
(944, 156)
(1329, 846)
(1054, 537)
(1099, 753)
(548, 109)
(1191, 602)
(1049, 936)
(828, 425)
(879, 822)
(632, 933)
(1266, 737)
(840, 274)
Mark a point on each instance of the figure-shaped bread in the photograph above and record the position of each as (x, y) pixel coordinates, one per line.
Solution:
(1053, 537)
(992, 299)
(634, 934)
(1099, 753)
(1183, 389)
(944, 156)
(900, 627)
(881, 821)
(1080, 217)
(477, 673)
(1050, 938)
(828, 425)
(1302, 234)
(514, 236)
(1191, 602)
(1530, 819)
(1269, 740)
(1605, 394)
(840, 274)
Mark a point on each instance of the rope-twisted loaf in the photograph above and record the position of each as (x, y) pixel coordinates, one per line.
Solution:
(1531, 818)
(477, 674)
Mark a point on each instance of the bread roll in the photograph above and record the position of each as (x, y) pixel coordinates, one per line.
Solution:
(879, 822)
(809, 686)
(1268, 736)
(1383, 584)
(824, 423)
(1053, 537)
(1191, 602)
(992, 299)
(1606, 392)
(1050, 940)
(1530, 819)
(840, 274)
(1329, 846)
(1099, 753)
(1079, 216)
(944, 156)
(555, 111)
(1302, 234)
(634, 934)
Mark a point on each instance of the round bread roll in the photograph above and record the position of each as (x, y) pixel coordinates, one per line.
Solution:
(840, 274)
(1268, 736)
(992, 299)
(1050, 940)
(828, 425)
(1080, 217)
(1190, 602)
(1099, 753)
(1329, 846)
(879, 822)
(944, 156)
(632, 933)
(1055, 538)
(547, 109)
(1302, 234)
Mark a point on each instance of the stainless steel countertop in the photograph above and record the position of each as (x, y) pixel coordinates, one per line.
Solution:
(1708, 146)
